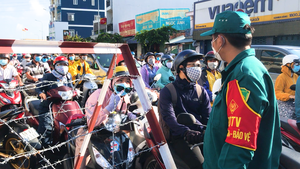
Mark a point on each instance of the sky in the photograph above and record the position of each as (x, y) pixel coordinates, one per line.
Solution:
(16, 15)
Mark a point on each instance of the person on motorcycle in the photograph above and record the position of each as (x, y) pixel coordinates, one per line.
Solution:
(243, 130)
(8, 71)
(209, 73)
(285, 96)
(297, 103)
(26, 60)
(148, 71)
(158, 59)
(60, 75)
(188, 67)
(35, 70)
(72, 65)
(14, 60)
(83, 67)
(165, 71)
(116, 99)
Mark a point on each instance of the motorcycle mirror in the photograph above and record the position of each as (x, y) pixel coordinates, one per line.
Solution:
(293, 87)
(7, 80)
(157, 77)
(134, 97)
(186, 119)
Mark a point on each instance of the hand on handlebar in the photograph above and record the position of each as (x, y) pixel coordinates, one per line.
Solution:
(43, 96)
(193, 137)
(35, 79)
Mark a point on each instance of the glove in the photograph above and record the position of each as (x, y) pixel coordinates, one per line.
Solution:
(298, 125)
(78, 68)
(114, 101)
(193, 136)
(171, 78)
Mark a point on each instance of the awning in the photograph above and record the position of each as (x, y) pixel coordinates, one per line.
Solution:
(188, 40)
(174, 41)
(130, 40)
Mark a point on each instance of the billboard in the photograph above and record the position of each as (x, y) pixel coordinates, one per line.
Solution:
(127, 28)
(260, 11)
(160, 17)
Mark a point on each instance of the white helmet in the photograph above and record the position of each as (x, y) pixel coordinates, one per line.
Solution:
(289, 59)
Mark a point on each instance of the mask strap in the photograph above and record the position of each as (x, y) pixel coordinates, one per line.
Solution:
(223, 43)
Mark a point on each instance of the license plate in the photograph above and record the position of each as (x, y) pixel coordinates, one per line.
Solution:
(29, 134)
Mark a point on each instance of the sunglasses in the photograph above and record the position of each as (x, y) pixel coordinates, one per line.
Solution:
(126, 90)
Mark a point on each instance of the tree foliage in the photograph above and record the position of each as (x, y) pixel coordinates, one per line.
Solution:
(76, 38)
(155, 36)
(109, 38)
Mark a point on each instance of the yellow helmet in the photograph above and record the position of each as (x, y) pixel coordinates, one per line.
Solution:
(121, 71)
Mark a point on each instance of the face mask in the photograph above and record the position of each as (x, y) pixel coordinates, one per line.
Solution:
(3, 62)
(169, 65)
(296, 68)
(193, 73)
(212, 65)
(151, 61)
(122, 87)
(72, 57)
(222, 66)
(84, 57)
(158, 58)
(27, 59)
(38, 58)
(44, 60)
(63, 70)
(15, 57)
(217, 53)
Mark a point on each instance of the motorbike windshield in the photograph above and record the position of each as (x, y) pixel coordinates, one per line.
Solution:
(104, 59)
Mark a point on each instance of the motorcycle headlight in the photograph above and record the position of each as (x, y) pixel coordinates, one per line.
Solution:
(113, 122)
(66, 95)
(5, 99)
(131, 153)
(101, 160)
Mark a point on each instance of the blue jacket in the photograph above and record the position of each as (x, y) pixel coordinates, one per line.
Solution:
(48, 85)
(297, 101)
(187, 101)
(165, 74)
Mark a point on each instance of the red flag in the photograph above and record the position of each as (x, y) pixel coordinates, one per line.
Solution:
(103, 21)
(25, 29)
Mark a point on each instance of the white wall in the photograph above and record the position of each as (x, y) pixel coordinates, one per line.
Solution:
(58, 28)
(124, 10)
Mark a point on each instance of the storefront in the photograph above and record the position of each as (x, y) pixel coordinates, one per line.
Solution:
(276, 22)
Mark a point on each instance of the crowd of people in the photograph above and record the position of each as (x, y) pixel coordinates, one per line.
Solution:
(240, 126)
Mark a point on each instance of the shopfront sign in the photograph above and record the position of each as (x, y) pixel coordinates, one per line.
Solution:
(127, 28)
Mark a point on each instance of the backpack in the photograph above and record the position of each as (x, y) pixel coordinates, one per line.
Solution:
(165, 128)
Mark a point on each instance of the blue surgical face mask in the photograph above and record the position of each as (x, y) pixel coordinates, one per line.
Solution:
(44, 60)
(38, 58)
(296, 68)
(3, 62)
(158, 58)
(72, 57)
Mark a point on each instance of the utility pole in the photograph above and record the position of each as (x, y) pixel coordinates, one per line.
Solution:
(98, 19)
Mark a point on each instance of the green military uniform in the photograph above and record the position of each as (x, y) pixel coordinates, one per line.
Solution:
(258, 91)
(243, 130)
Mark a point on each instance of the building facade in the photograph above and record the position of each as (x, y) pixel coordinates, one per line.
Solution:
(78, 15)
(275, 22)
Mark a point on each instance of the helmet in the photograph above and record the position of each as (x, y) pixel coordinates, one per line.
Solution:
(27, 55)
(147, 55)
(121, 71)
(132, 53)
(290, 59)
(60, 59)
(120, 58)
(4, 55)
(209, 55)
(23, 54)
(165, 58)
(184, 55)
(14, 54)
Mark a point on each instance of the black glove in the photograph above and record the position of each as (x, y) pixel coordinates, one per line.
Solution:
(193, 137)
(298, 125)
(78, 68)
(171, 78)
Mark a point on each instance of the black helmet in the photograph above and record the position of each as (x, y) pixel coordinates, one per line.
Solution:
(147, 55)
(4, 55)
(184, 55)
(209, 55)
(165, 58)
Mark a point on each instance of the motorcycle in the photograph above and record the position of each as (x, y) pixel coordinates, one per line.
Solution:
(88, 86)
(10, 97)
(22, 139)
(62, 108)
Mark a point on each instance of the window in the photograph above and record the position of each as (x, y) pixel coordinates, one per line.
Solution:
(71, 32)
(93, 2)
(71, 17)
(75, 2)
(96, 17)
(104, 59)
(272, 60)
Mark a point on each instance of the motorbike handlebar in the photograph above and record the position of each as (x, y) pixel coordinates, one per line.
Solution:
(81, 122)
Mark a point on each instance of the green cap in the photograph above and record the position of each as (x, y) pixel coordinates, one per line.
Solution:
(230, 22)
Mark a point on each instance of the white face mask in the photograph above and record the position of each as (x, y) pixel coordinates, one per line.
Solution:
(63, 70)
(151, 61)
(169, 65)
(84, 57)
(212, 65)
(27, 60)
(217, 53)
(193, 73)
